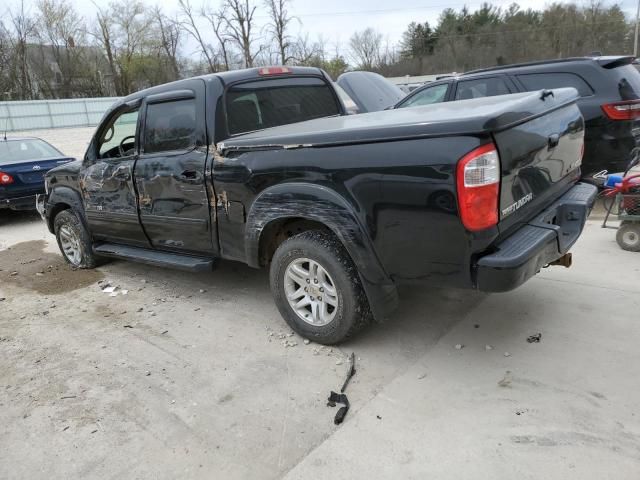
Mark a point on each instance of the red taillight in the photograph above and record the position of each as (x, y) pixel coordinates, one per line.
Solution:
(629, 110)
(478, 181)
(266, 71)
(5, 178)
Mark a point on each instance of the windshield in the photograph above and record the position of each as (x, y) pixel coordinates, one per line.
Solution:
(12, 151)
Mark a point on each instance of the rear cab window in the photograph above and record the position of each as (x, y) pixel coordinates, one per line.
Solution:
(541, 81)
(260, 104)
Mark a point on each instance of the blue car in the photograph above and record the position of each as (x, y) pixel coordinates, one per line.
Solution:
(23, 163)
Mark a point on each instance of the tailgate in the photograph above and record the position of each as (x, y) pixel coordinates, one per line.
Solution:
(540, 158)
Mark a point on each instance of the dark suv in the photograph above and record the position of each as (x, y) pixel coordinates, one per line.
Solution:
(609, 89)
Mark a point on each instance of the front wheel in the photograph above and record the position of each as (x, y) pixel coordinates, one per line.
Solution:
(74, 240)
(317, 289)
(628, 236)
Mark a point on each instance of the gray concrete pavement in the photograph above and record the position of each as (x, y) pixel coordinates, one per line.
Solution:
(187, 376)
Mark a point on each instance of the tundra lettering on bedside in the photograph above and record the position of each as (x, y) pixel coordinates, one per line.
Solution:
(515, 206)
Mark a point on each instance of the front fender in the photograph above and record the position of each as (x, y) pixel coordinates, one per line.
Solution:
(326, 206)
(65, 197)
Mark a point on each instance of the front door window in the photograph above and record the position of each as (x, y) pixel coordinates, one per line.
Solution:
(118, 138)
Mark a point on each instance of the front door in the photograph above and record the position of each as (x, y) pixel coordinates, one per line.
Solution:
(106, 180)
(170, 172)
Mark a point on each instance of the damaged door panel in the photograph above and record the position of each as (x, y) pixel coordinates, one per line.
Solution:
(106, 181)
(170, 172)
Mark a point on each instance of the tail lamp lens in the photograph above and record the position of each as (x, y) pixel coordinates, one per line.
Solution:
(478, 182)
(629, 110)
(5, 178)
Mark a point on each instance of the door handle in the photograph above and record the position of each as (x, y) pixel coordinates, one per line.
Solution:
(553, 141)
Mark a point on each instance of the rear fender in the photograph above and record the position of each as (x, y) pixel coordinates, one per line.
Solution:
(325, 206)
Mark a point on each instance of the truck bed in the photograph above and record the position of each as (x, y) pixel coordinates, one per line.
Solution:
(465, 117)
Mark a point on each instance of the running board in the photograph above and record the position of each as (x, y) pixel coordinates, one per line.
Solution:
(155, 257)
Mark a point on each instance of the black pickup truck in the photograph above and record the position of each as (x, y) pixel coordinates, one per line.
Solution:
(262, 166)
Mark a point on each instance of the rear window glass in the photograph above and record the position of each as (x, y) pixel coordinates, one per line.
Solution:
(21, 150)
(481, 87)
(269, 103)
(540, 81)
(170, 126)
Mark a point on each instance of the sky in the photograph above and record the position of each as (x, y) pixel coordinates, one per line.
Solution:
(337, 20)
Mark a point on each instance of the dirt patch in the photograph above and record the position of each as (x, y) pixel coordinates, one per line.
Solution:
(26, 265)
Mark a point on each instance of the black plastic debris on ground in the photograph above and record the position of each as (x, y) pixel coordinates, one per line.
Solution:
(534, 338)
(341, 398)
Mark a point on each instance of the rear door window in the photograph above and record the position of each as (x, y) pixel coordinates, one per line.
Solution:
(427, 96)
(170, 126)
(481, 87)
(269, 103)
(540, 81)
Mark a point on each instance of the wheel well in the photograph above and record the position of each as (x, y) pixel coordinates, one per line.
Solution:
(55, 210)
(279, 230)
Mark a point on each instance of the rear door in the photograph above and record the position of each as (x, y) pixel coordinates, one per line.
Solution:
(170, 171)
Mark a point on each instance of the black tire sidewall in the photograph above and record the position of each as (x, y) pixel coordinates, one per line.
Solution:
(328, 252)
(70, 218)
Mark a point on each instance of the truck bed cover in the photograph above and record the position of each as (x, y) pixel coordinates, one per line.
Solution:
(481, 115)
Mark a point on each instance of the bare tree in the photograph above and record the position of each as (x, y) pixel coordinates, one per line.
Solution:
(190, 25)
(61, 34)
(277, 26)
(239, 21)
(24, 28)
(216, 19)
(105, 36)
(169, 36)
(122, 31)
(306, 52)
(366, 48)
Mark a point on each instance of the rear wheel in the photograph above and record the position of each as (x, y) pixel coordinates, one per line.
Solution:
(74, 240)
(628, 236)
(317, 289)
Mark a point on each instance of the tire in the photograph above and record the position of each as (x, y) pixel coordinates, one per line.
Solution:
(343, 307)
(74, 240)
(628, 236)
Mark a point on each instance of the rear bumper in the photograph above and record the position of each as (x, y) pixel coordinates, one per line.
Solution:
(543, 240)
(19, 203)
